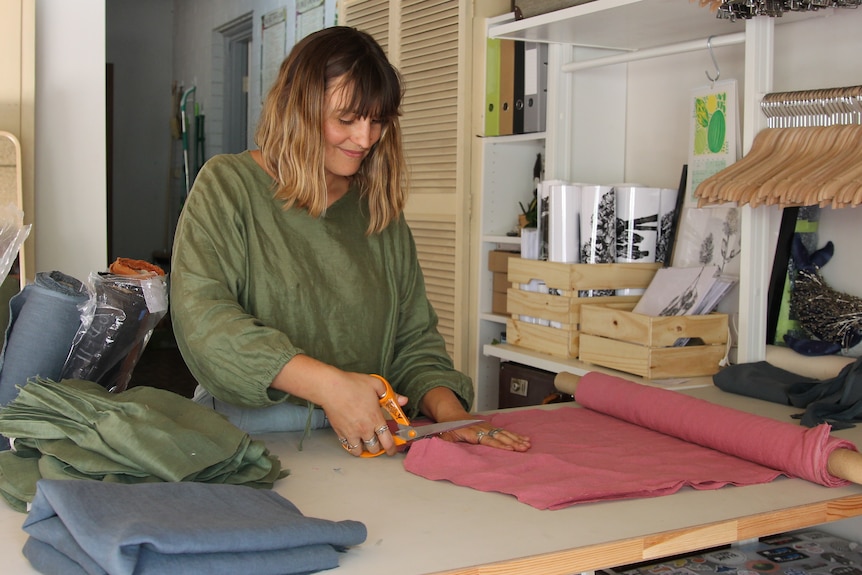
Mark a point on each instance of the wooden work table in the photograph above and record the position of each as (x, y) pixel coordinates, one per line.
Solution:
(419, 526)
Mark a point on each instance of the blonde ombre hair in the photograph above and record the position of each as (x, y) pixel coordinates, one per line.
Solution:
(290, 132)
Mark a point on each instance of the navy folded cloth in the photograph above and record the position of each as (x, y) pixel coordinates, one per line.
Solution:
(837, 400)
(191, 528)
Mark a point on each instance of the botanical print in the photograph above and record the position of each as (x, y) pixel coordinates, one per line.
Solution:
(709, 236)
(714, 128)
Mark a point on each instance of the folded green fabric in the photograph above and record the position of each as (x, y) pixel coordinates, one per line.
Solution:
(76, 429)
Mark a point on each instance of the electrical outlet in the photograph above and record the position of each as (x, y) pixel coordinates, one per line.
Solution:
(518, 386)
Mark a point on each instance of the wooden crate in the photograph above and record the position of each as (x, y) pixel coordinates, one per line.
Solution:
(562, 305)
(613, 336)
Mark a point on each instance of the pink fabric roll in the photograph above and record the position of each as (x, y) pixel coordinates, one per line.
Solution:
(795, 450)
(580, 455)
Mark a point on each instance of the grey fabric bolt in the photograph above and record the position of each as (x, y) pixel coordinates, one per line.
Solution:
(43, 320)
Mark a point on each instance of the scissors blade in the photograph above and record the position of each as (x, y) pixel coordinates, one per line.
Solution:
(411, 433)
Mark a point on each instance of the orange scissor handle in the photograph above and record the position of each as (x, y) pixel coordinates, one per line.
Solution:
(389, 402)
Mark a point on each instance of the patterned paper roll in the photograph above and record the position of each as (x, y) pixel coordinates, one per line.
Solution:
(637, 226)
(598, 233)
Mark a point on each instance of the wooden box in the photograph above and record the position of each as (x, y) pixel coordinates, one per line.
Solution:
(554, 329)
(612, 336)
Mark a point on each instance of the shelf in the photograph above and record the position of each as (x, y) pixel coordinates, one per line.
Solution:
(494, 317)
(508, 352)
(529, 137)
(502, 239)
(628, 24)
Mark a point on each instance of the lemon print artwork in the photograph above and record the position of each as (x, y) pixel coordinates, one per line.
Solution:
(710, 129)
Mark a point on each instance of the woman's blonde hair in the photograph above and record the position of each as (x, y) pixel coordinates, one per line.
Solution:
(290, 132)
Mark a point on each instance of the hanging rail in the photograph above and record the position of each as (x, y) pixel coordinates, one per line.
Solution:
(657, 52)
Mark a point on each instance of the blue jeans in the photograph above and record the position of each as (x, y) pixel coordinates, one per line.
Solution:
(253, 420)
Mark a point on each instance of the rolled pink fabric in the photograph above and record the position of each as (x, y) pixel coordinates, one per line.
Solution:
(795, 450)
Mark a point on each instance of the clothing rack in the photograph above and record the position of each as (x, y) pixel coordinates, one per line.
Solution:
(810, 154)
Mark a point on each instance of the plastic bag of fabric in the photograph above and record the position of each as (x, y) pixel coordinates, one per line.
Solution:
(13, 232)
(116, 323)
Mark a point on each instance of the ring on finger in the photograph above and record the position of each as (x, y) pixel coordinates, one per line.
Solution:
(346, 445)
(381, 430)
(343, 441)
(370, 442)
(480, 435)
(495, 431)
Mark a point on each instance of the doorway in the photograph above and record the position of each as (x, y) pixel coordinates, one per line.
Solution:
(236, 36)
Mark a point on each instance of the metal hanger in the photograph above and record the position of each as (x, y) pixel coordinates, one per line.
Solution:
(714, 63)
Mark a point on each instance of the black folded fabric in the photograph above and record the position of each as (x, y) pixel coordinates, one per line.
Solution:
(837, 401)
(189, 528)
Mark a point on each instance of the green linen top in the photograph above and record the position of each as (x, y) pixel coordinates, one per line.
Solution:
(253, 285)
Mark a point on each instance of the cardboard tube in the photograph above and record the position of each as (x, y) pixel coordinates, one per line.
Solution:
(842, 463)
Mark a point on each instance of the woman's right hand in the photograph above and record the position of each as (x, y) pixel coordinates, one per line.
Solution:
(350, 401)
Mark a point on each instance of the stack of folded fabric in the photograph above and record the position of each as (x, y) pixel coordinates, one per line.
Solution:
(87, 527)
(76, 429)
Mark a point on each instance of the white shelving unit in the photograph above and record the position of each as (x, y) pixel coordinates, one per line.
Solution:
(590, 47)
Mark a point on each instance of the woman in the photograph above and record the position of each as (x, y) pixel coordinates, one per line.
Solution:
(294, 274)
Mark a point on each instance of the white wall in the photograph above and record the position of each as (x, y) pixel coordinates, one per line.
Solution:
(70, 221)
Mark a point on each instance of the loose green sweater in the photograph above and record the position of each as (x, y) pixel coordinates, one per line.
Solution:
(252, 285)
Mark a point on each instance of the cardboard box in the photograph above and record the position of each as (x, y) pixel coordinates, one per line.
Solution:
(556, 315)
(648, 346)
(499, 303)
(498, 260)
(501, 282)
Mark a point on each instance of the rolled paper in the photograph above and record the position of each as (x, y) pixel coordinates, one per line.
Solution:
(792, 449)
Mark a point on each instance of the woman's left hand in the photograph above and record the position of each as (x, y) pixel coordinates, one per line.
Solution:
(489, 436)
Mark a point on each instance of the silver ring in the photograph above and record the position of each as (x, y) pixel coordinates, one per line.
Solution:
(349, 447)
(381, 430)
(370, 442)
(343, 441)
(480, 435)
(494, 431)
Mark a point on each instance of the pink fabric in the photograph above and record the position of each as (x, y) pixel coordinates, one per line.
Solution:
(580, 455)
(796, 450)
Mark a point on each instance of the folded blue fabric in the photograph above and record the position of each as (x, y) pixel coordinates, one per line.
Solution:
(191, 528)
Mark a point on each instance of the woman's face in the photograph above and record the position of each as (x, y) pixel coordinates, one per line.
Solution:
(347, 137)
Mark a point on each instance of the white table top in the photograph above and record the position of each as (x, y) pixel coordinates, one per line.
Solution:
(420, 526)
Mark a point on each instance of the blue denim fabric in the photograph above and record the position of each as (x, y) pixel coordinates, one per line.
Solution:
(43, 320)
(282, 417)
(185, 527)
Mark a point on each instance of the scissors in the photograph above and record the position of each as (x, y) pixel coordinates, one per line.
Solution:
(406, 432)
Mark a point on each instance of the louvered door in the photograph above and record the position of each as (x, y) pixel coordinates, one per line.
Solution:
(425, 40)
